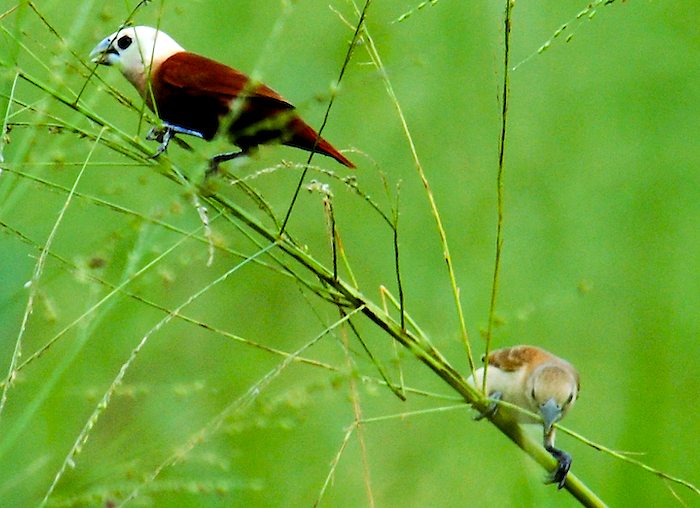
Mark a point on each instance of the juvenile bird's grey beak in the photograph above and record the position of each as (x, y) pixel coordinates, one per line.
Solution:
(99, 53)
(551, 413)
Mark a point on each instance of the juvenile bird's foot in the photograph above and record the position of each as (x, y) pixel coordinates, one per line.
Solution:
(164, 133)
(215, 161)
(493, 407)
(563, 465)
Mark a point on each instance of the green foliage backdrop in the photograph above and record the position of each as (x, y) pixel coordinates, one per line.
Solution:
(600, 260)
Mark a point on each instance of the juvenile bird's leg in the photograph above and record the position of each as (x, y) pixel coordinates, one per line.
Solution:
(563, 460)
(493, 407)
(222, 157)
(164, 133)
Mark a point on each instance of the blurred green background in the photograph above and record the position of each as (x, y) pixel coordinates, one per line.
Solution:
(601, 260)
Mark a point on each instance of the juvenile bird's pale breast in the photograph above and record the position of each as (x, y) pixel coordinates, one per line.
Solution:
(511, 384)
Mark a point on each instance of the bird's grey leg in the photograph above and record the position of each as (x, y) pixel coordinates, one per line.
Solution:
(161, 134)
(222, 157)
(493, 407)
(563, 460)
(164, 133)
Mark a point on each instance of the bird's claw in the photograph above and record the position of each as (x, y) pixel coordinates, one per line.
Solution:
(163, 134)
(564, 460)
(156, 133)
(491, 410)
(215, 161)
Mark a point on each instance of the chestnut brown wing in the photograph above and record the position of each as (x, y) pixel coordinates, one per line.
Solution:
(195, 92)
(513, 358)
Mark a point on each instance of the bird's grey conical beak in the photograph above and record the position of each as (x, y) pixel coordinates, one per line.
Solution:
(551, 413)
(99, 53)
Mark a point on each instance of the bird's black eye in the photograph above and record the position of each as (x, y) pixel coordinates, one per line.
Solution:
(532, 394)
(124, 42)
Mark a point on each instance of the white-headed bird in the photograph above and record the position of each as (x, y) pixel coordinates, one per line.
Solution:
(197, 96)
(536, 380)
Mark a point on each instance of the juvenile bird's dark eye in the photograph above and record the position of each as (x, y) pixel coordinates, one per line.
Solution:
(532, 394)
(124, 42)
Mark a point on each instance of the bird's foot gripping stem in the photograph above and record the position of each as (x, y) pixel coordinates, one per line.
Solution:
(166, 132)
(495, 397)
(563, 466)
(215, 161)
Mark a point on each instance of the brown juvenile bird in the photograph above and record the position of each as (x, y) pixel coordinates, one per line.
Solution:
(538, 381)
(194, 95)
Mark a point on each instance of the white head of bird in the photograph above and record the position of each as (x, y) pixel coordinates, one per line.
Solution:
(135, 51)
